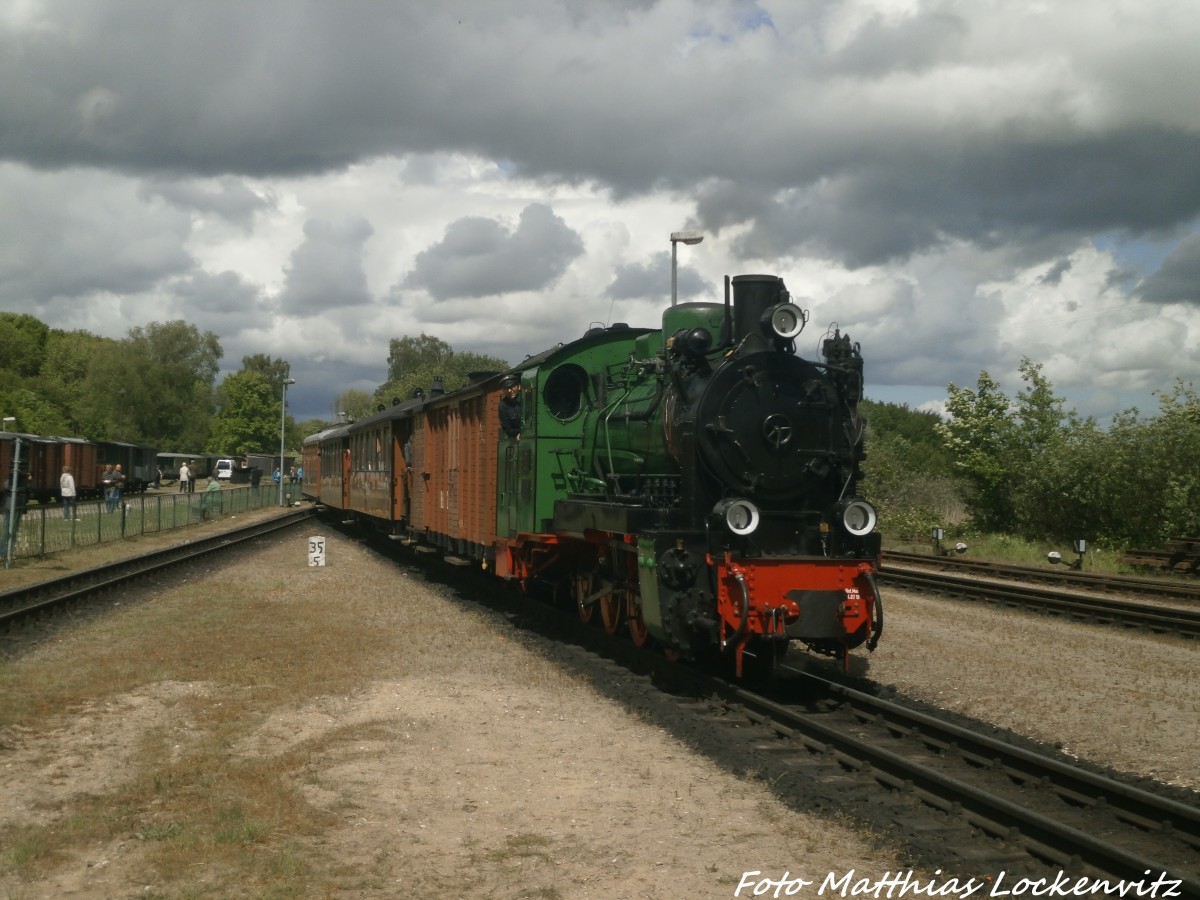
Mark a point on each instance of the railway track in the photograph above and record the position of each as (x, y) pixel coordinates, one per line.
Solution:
(1063, 817)
(32, 603)
(1108, 610)
(1154, 588)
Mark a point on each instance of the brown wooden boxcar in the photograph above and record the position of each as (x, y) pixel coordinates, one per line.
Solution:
(424, 468)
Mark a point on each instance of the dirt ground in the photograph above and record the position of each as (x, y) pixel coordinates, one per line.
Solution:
(476, 765)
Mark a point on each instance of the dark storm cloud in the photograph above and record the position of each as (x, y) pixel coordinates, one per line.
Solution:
(319, 379)
(857, 142)
(481, 257)
(78, 235)
(207, 298)
(1178, 279)
(1056, 272)
(651, 280)
(326, 271)
(887, 206)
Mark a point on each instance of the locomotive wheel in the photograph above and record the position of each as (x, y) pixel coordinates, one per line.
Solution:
(638, 632)
(611, 613)
(583, 587)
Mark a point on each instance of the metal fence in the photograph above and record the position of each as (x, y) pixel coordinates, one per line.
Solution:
(45, 529)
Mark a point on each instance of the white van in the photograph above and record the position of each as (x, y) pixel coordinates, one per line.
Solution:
(223, 469)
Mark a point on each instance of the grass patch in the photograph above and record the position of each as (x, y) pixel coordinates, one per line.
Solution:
(1017, 551)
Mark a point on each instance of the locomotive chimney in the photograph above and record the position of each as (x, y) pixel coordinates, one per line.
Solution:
(753, 295)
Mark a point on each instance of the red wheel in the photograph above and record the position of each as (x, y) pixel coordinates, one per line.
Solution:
(638, 631)
(583, 589)
(611, 613)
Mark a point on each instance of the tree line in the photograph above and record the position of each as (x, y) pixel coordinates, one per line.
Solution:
(1029, 467)
(158, 386)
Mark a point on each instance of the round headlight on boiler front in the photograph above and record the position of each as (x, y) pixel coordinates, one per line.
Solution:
(741, 516)
(858, 517)
(787, 320)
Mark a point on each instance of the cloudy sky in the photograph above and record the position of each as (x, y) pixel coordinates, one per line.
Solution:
(956, 183)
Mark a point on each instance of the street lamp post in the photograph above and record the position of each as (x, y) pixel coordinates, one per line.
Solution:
(10, 514)
(677, 238)
(283, 433)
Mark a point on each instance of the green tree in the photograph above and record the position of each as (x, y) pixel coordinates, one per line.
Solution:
(408, 354)
(22, 344)
(247, 418)
(980, 436)
(276, 371)
(69, 355)
(154, 387)
(355, 404)
(306, 428)
(177, 366)
(33, 413)
(417, 362)
(909, 476)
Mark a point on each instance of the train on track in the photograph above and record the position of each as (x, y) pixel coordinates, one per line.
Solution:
(44, 458)
(695, 484)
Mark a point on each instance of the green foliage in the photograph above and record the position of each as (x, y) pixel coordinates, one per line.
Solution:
(306, 428)
(177, 366)
(909, 476)
(69, 356)
(276, 371)
(22, 343)
(153, 387)
(980, 436)
(355, 404)
(416, 362)
(407, 354)
(1037, 471)
(247, 419)
(33, 414)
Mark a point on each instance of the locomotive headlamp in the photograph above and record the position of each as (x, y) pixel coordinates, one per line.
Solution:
(786, 320)
(741, 516)
(858, 517)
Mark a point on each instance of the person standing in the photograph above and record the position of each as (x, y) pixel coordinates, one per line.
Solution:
(185, 477)
(66, 489)
(211, 504)
(115, 481)
(106, 483)
(191, 476)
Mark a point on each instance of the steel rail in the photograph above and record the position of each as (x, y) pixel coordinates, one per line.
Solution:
(1131, 804)
(1043, 836)
(1130, 584)
(1173, 621)
(25, 602)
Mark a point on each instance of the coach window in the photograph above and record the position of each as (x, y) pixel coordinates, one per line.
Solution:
(564, 390)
